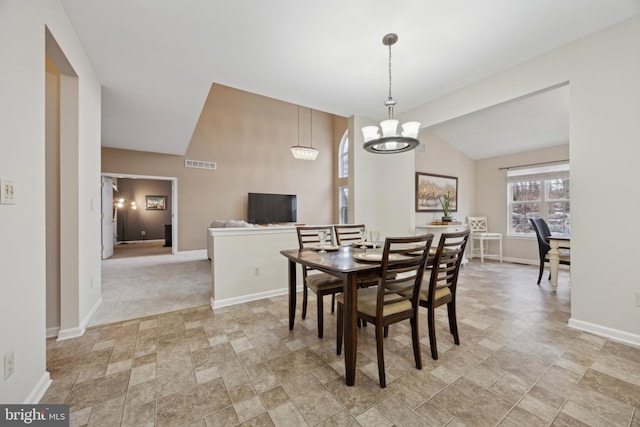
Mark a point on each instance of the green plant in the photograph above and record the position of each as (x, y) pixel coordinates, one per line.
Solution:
(445, 202)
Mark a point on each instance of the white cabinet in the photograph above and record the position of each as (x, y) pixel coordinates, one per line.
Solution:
(437, 230)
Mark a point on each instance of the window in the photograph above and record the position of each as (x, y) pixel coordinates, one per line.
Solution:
(343, 204)
(343, 156)
(541, 192)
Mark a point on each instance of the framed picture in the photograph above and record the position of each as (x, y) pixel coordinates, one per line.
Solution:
(429, 189)
(156, 203)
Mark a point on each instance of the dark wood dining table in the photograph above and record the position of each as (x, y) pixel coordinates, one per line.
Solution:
(339, 263)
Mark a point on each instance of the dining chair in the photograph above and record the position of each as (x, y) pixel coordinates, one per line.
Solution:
(395, 298)
(347, 233)
(542, 234)
(479, 228)
(320, 283)
(439, 287)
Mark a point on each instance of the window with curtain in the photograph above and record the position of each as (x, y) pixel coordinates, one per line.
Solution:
(540, 192)
(343, 204)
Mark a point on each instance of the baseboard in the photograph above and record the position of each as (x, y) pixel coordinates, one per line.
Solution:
(39, 390)
(614, 334)
(53, 332)
(252, 297)
(65, 334)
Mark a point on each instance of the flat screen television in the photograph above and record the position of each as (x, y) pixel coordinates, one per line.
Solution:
(263, 208)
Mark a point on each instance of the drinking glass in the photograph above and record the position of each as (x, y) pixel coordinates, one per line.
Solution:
(375, 238)
(363, 237)
(322, 236)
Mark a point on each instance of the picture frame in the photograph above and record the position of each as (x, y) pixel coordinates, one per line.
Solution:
(155, 203)
(429, 188)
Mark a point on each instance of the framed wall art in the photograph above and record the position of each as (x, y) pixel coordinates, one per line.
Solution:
(431, 187)
(156, 203)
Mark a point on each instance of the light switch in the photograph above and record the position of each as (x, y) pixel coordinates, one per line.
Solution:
(7, 192)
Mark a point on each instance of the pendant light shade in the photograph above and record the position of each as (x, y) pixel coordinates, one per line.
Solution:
(386, 139)
(301, 152)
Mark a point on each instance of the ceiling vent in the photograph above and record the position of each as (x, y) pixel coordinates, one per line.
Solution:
(199, 164)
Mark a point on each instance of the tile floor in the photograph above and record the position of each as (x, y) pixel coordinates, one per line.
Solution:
(518, 365)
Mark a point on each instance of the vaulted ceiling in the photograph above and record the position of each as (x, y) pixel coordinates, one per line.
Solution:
(157, 59)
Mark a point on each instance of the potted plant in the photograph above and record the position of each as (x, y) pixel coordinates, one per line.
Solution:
(445, 202)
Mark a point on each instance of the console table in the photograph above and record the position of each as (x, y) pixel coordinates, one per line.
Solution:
(437, 231)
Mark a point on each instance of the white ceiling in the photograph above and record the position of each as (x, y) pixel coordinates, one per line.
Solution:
(157, 59)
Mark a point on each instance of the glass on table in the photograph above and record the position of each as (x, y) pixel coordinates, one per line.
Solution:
(322, 237)
(363, 237)
(375, 238)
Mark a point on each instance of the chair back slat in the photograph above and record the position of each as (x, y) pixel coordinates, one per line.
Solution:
(347, 233)
(477, 224)
(447, 261)
(308, 235)
(403, 263)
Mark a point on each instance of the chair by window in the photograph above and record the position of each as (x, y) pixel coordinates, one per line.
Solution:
(479, 228)
(542, 234)
(395, 298)
(320, 283)
(347, 234)
(439, 287)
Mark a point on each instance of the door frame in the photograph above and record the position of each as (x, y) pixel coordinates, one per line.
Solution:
(174, 200)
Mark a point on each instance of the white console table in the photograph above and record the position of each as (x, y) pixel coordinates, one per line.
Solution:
(437, 231)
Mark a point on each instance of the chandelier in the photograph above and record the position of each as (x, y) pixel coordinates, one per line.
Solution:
(391, 142)
(301, 152)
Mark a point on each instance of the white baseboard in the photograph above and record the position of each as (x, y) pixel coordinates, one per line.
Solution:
(252, 297)
(65, 334)
(39, 390)
(603, 331)
(53, 332)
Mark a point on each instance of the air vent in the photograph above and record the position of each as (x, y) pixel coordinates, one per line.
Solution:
(199, 164)
(422, 148)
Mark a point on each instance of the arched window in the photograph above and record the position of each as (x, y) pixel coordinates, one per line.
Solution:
(343, 156)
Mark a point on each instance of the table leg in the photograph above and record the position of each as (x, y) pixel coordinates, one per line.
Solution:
(554, 262)
(292, 293)
(350, 329)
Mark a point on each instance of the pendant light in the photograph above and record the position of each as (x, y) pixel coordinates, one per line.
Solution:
(391, 142)
(301, 152)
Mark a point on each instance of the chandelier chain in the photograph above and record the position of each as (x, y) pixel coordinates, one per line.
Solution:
(390, 73)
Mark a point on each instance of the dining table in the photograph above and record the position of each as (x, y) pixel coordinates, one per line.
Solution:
(343, 264)
(557, 242)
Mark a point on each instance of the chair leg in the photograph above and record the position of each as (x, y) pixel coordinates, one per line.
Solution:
(386, 331)
(432, 332)
(320, 315)
(379, 344)
(333, 302)
(541, 270)
(304, 301)
(339, 331)
(500, 241)
(453, 322)
(415, 337)
(481, 250)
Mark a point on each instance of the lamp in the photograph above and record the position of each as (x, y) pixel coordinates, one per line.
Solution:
(391, 142)
(301, 152)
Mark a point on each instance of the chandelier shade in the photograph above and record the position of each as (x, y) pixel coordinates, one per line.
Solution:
(386, 139)
(301, 152)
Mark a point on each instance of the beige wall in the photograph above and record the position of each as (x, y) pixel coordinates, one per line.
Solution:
(491, 197)
(249, 137)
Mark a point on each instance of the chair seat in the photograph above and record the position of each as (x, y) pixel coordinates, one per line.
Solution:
(367, 299)
(440, 292)
(323, 281)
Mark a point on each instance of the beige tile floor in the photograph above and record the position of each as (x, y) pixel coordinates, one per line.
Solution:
(518, 365)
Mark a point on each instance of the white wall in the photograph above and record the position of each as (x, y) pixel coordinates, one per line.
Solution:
(603, 70)
(22, 159)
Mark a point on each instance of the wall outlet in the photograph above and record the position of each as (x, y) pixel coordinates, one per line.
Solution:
(256, 271)
(9, 364)
(144, 233)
